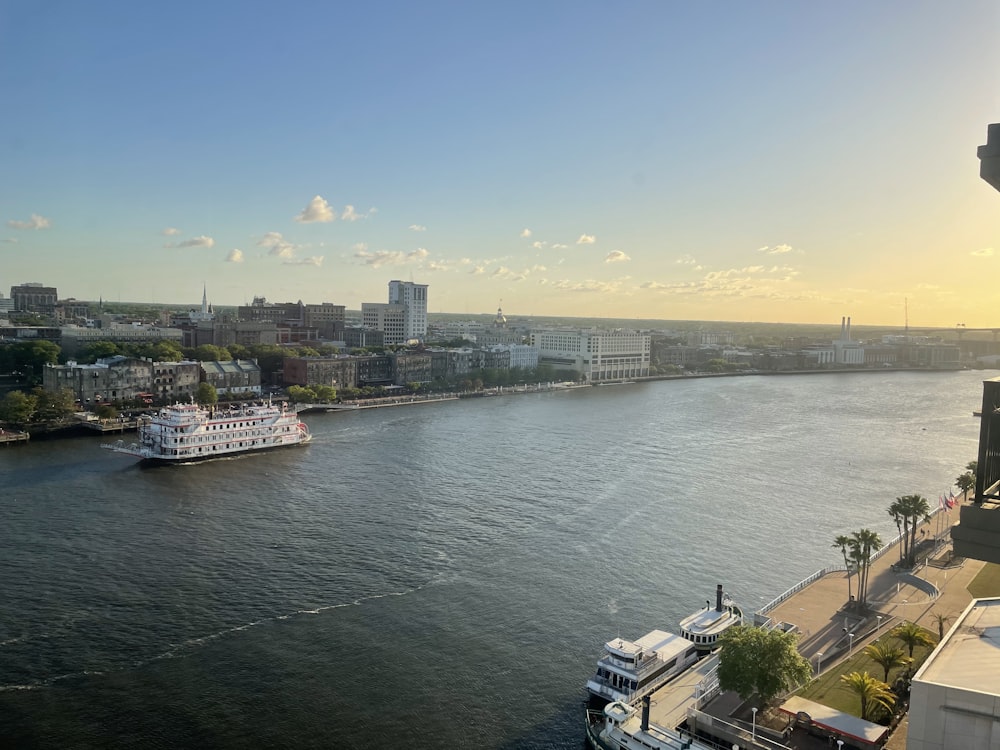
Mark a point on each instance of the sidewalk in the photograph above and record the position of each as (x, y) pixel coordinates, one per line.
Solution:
(826, 623)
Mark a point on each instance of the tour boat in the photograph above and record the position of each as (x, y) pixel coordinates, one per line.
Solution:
(190, 432)
(629, 670)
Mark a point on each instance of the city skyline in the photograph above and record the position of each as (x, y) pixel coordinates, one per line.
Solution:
(778, 163)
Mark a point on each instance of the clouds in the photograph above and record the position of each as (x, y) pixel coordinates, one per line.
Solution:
(776, 250)
(380, 258)
(525, 233)
(276, 244)
(35, 222)
(586, 239)
(170, 232)
(418, 228)
(616, 256)
(199, 241)
(986, 252)
(235, 256)
(321, 212)
(318, 210)
(315, 260)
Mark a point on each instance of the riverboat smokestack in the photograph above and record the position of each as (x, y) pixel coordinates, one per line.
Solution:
(645, 714)
(718, 597)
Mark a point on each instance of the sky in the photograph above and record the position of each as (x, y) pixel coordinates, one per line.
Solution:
(769, 161)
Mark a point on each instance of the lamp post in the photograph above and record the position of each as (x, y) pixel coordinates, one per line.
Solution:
(819, 663)
(753, 725)
(878, 623)
(850, 646)
(840, 744)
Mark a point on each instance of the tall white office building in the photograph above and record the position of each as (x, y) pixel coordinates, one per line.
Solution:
(413, 298)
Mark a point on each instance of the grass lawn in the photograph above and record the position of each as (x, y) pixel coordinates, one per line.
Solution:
(987, 583)
(829, 690)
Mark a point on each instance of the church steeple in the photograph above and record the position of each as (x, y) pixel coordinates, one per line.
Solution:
(501, 321)
(204, 299)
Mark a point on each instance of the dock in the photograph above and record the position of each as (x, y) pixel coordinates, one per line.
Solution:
(11, 437)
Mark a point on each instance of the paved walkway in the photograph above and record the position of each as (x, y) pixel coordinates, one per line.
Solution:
(826, 623)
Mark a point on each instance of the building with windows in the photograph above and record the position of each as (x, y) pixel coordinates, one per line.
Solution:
(74, 338)
(390, 319)
(32, 297)
(117, 379)
(955, 695)
(413, 298)
(235, 376)
(595, 355)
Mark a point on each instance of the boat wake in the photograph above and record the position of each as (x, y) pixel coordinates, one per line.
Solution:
(189, 646)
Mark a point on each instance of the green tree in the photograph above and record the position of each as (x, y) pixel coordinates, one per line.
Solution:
(211, 353)
(871, 691)
(325, 394)
(965, 483)
(912, 635)
(940, 619)
(887, 656)
(298, 394)
(17, 408)
(106, 411)
(863, 544)
(913, 510)
(761, 662)
(206, 394)
(51, 406)
(96, 350)
(843, 542)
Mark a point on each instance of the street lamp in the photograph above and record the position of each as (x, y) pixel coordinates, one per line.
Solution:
(753, 726)
(878, 623)
(819, 662)
(850, 646)
(840, 744)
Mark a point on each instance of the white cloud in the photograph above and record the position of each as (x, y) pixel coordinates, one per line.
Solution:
(588, 285)
(418, 228)
(170, 232)
(380, 258)
(986, 252)
(277, 245)
(315, 260)
(235, 256)
(360, 247)
(35, 222)
(11, 240)
(776, 250)
(318, 210)
(616, 256)
(586, 239)
(539, 244)
(477, 271)
(525, 232)
(559, 246)
(200, 241)
(686, 260)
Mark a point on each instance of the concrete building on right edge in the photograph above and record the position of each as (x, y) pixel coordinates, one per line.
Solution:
(955, 695)
(598, 356)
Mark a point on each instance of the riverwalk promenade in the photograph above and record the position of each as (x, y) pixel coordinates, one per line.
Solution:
(830, 629)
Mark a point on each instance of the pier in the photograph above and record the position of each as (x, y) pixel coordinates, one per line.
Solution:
(10, 437)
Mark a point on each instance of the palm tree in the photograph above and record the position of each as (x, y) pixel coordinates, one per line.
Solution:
(915, 510)
(941, 620)
(870, 690)
(844, 542)
(912, 635)
(897, 516)
(886, 656)
(965, 483)
(863, 544)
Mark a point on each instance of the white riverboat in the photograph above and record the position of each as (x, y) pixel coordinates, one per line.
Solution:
(629, 670)
(189, 432)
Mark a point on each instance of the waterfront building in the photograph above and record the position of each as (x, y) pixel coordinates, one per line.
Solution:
(299, 321)
(595, 355)
(226, 333)
(374, 369)
(123, 379)
(411, 367)
(235, 376)
(955, 695)
(360, 337)
(848, 353)
(339, 372)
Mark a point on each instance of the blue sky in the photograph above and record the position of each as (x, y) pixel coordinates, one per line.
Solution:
(771, 161)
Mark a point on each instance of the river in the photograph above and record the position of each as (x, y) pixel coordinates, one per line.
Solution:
(436, 575)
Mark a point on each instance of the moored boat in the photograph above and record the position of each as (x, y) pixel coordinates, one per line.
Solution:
(189, 432)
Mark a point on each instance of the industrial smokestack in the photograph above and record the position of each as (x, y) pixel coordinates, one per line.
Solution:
(848, 328)
(645, 714)
(718, 597)
(843, 327)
